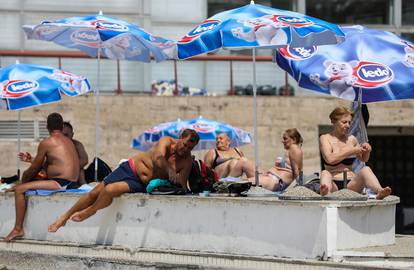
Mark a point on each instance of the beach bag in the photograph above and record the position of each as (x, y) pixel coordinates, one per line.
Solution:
(103, 171)
(202, 178)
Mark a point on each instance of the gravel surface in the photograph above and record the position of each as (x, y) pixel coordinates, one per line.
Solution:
(346, 195)
(259, 191)
(300, 193)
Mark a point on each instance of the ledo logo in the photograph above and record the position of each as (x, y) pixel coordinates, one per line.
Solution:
(86, 37)
(204, 27)
(301, 53)
(291, 21)
(201, 127)
(372, 75)
(19, 88)
(106, 25)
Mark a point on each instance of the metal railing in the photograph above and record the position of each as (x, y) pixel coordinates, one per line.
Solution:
(75, 54)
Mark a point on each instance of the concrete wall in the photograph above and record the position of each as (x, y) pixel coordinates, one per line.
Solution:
(221, 225)
(124, 117)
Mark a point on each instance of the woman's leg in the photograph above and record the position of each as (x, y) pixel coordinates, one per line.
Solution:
(327, 185)
(266, 181)
(84, 202)
(367, 178)
(238, 167)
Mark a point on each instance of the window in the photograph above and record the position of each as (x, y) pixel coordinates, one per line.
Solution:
(216, 6)
(351, 11)
(407, 12)
(408, 36)
(29, 130)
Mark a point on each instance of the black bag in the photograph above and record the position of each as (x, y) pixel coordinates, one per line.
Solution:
(103, 171)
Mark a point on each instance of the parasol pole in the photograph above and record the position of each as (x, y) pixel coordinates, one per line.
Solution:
(18, 141)
(255, 134)
(19, 135)
(97, 115)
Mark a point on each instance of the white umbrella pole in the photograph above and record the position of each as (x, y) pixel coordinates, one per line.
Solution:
(18, 141)
(255, 134)
(97, 115)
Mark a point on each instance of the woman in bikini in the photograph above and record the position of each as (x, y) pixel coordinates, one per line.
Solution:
(286, 168)
(339, 150)
(227, 161)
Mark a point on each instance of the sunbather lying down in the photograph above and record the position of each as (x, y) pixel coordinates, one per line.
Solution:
(227, 161)
(286, 168)
(168, 159)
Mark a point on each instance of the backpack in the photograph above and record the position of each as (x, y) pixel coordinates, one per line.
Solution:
(103, 171)
(202, 178)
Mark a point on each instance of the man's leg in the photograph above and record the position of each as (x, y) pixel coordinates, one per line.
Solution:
(104, 199)
(84, 202)
(20, 203)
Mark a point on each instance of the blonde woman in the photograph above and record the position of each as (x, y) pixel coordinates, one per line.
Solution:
(339, 150)
(286, 167)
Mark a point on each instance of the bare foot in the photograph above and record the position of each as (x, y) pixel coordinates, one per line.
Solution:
(82, 215)
(60, 222)
(383, 193)
(323, 190)
(14, 234)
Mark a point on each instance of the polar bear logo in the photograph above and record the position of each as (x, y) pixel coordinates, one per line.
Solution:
(264, 30)
(120, 47)
(409, 56)
(340, 78)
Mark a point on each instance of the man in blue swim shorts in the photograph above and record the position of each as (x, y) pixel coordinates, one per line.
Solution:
(168, 159)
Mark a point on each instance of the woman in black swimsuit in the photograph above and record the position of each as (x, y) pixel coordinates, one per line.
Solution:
(227, 161)
(339, 150)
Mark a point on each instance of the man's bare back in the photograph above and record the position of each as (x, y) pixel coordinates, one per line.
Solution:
(61, 157)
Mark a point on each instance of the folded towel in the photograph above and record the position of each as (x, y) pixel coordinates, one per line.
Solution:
(3, 187)
(82, 189)
(164, 187)
(155, 183)
(230, 178)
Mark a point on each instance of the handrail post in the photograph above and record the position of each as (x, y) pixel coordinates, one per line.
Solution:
(286, 93)
(175, 78)
(231, 92)
(118, 78)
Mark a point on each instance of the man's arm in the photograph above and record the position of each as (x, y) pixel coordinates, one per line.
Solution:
(184, 173)
(209, 158)
(159, 160)
(37, 162)
(83, 156)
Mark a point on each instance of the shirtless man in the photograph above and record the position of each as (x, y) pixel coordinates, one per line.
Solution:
(58, 154)
(168, 159)
(83, 156)
(80, 149)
